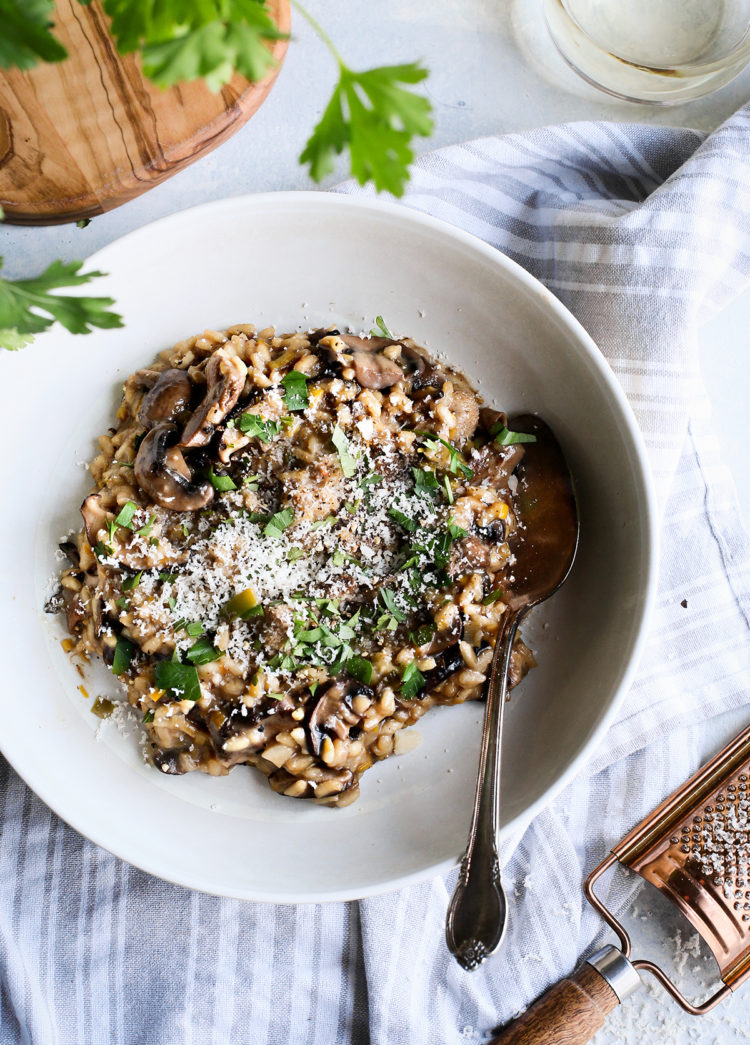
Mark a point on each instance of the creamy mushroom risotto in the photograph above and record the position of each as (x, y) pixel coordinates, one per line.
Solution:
(296, 546)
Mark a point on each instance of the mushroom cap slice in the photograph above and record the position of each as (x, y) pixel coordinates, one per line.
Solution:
(94, 517)
(166, 398)
(225, 378)
(162, 472)
(371, 368)
(331, 712)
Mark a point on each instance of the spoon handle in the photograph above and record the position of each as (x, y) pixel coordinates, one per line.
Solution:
(477, 912)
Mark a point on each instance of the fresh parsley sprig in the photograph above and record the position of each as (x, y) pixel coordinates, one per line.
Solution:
(375, 114)
(27, 306)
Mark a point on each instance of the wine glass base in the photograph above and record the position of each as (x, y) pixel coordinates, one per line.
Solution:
(626, 80)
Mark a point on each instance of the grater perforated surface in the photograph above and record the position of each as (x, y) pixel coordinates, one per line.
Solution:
(695, 848)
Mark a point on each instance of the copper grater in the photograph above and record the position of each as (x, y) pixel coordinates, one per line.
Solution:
(695, 849)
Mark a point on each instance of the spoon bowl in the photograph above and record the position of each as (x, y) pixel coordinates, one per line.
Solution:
(544, 547)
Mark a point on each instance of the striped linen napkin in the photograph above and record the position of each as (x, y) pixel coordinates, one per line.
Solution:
(641, 232)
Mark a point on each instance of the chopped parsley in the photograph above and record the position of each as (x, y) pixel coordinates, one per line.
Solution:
(203, 652)
(123, 655)
(380, 329)
(493, 597)
(148, 716)
(125, 518)
(181, 680)
(295, 391)
(360, 668)
(145, 531)
(132, 582)
(253, 425)
(320, 523)
(279, 522)
(294, 554)
(389, 602)
(221, 483)
(422, 635)
(456, 462)
(455, 531)
(504, 437)
(403, 520)
(347, 459)
(412, 680)
(425, 483)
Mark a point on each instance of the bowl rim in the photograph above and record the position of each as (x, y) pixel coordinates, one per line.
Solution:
(642, 477)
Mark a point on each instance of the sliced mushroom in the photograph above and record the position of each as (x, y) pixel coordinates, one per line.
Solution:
(94, 517)
(232, 440)
(225, 378)
(422, 371)
(371, 368)
(449, 662)
(332, 714)
(449, 636)
(496, 463)
(162, 472)
(465, 409)
(168, 397)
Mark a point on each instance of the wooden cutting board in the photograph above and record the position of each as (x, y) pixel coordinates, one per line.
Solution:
(82, 136)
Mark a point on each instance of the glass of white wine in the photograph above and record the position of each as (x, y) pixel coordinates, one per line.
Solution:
(660, 51)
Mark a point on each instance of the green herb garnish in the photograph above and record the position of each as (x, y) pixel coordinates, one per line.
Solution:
(146, 530)
(123, 655)
(403, 520)
(412, 680)
(278, 523)
(132, 582)
(221, 483)
(456, 462)
(23, 301)
(125, 518)
(181, 680)
(148, 716)
(253, 425)
(423, 634)
(493, 597)
(388, 600)
(294, 554)
(360, 669)
(347, 459)
(380, 329)
(295, 391)
(456, 532)
(203, 652)
(425, 483)
(504, 437)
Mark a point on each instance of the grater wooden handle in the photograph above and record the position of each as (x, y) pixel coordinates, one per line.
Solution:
(570, 1013)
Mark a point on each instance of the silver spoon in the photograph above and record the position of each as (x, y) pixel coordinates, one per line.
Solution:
(544, 548)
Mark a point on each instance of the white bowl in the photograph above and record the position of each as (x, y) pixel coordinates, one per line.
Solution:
(304, 260)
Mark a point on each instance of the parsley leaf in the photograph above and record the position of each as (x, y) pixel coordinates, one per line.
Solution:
(26, 35)
(221, 482)
(403, 520)
(494, 595)
(203, 651)
(132, 582)
(504, 437)
(376, 115)
(456, 460)
(145, 531)
(253, 425)
(412, 680)
(360, 669)
(389, 602)
(279, 522)
(181, 680)
(295, 391)
(380, 329)
(187, 41)
(125, 518)
(22, 301)
(347, 459)
(425, 483)
(123, 655)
